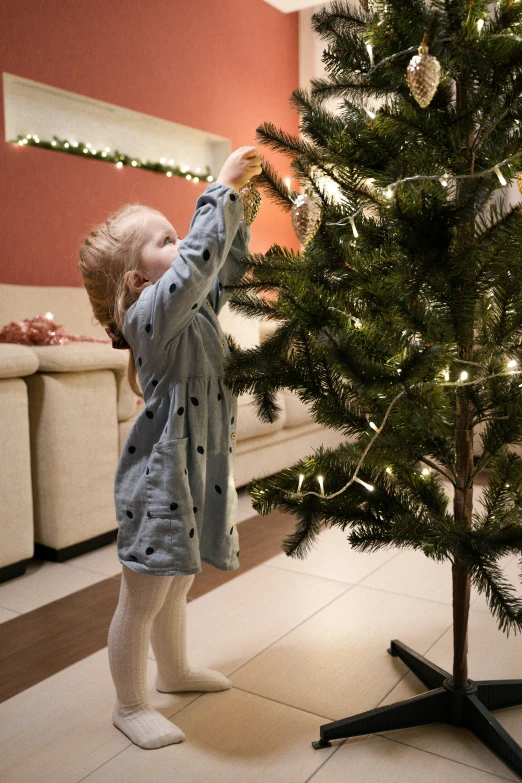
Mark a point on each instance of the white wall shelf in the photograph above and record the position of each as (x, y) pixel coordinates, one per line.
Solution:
(39, 109)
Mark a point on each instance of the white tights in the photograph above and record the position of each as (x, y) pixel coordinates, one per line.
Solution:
(152, 607)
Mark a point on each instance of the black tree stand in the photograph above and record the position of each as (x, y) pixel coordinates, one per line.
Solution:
(468, 707)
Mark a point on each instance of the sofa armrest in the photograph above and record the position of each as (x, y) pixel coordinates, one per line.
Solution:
(16, 360)
(267, 327)
(84, 356)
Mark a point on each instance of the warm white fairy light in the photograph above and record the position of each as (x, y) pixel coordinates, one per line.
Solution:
(198, 170)
(171, 163)
(369, 49)
(444, 181)
(500, 176)
(104, 154)
(210, 179)
(354, 229)
(389, 470)
(169, 173)
(88, 145)
(476, 175)
(389, 192)
(133, 163)
(189, 176)
(320, 480)
(163, 160)
(480, 25)
(301, 479)
(446, 375)
(512, 363)
(119, 164)
(184, 169)
(374, 426)
(370, 113)
(364, 484)
(288, 182)
(463, 375)
(426, 471)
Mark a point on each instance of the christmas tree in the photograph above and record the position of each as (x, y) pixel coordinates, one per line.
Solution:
(399, 322)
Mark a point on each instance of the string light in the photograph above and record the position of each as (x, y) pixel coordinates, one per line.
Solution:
(369, 49)
(320, 480)
(426, 471)
(500, 176)
(512, 363)
(480, 25)
(446, 375)
(370, 113)
(301, 479)
(364, 484)
(354, 229)
(463, 375)
(443, 181)
(374, 426)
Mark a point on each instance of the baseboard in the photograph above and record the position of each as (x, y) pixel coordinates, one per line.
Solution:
(60, 555)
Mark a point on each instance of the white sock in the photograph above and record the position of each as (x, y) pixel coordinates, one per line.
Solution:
(169, 642)
(141, 598)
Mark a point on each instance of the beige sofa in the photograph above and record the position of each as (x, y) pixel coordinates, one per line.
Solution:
(17, 363)
(81, 409)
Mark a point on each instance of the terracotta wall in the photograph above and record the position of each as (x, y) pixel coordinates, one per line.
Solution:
(224, 66)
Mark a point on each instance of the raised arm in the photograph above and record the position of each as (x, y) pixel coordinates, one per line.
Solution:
(232, 270)
(165, 309)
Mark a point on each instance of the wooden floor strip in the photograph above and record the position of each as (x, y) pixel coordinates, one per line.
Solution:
(42, 642)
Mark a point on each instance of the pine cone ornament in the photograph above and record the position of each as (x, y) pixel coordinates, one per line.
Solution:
(307, 213)
(251, 199)
(423, 75)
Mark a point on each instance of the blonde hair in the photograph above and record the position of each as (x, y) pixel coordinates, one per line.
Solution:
(112, 249)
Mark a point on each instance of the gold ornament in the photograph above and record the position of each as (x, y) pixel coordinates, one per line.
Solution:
(251, 199)
(423, 75)
(307, 213)
(519, 181)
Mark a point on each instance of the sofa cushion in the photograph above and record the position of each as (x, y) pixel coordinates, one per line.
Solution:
(17, 360)
(79, 357)
(245, 331)
(69, 305)
(249, 425)
(297, 411)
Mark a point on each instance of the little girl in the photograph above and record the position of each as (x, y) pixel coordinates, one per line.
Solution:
(174, 490)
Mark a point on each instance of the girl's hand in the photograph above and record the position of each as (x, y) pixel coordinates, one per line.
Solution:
(239, 167)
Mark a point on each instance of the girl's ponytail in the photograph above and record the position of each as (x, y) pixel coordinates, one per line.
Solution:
(112, 249)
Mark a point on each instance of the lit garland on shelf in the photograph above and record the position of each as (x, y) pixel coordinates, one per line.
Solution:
(164, 166)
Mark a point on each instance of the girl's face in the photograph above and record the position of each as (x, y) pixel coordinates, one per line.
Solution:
(157, 254)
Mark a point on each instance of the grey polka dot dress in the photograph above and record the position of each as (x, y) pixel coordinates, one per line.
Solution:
(174, 488)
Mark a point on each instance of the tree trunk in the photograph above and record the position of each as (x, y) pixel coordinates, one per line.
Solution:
(463, 504)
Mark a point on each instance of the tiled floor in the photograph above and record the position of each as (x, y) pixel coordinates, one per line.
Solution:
(304, 642)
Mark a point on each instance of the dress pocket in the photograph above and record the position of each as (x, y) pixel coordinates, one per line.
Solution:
(170, 529)
(168, 489)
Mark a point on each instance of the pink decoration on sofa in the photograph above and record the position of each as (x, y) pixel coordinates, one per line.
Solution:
(41, 330)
